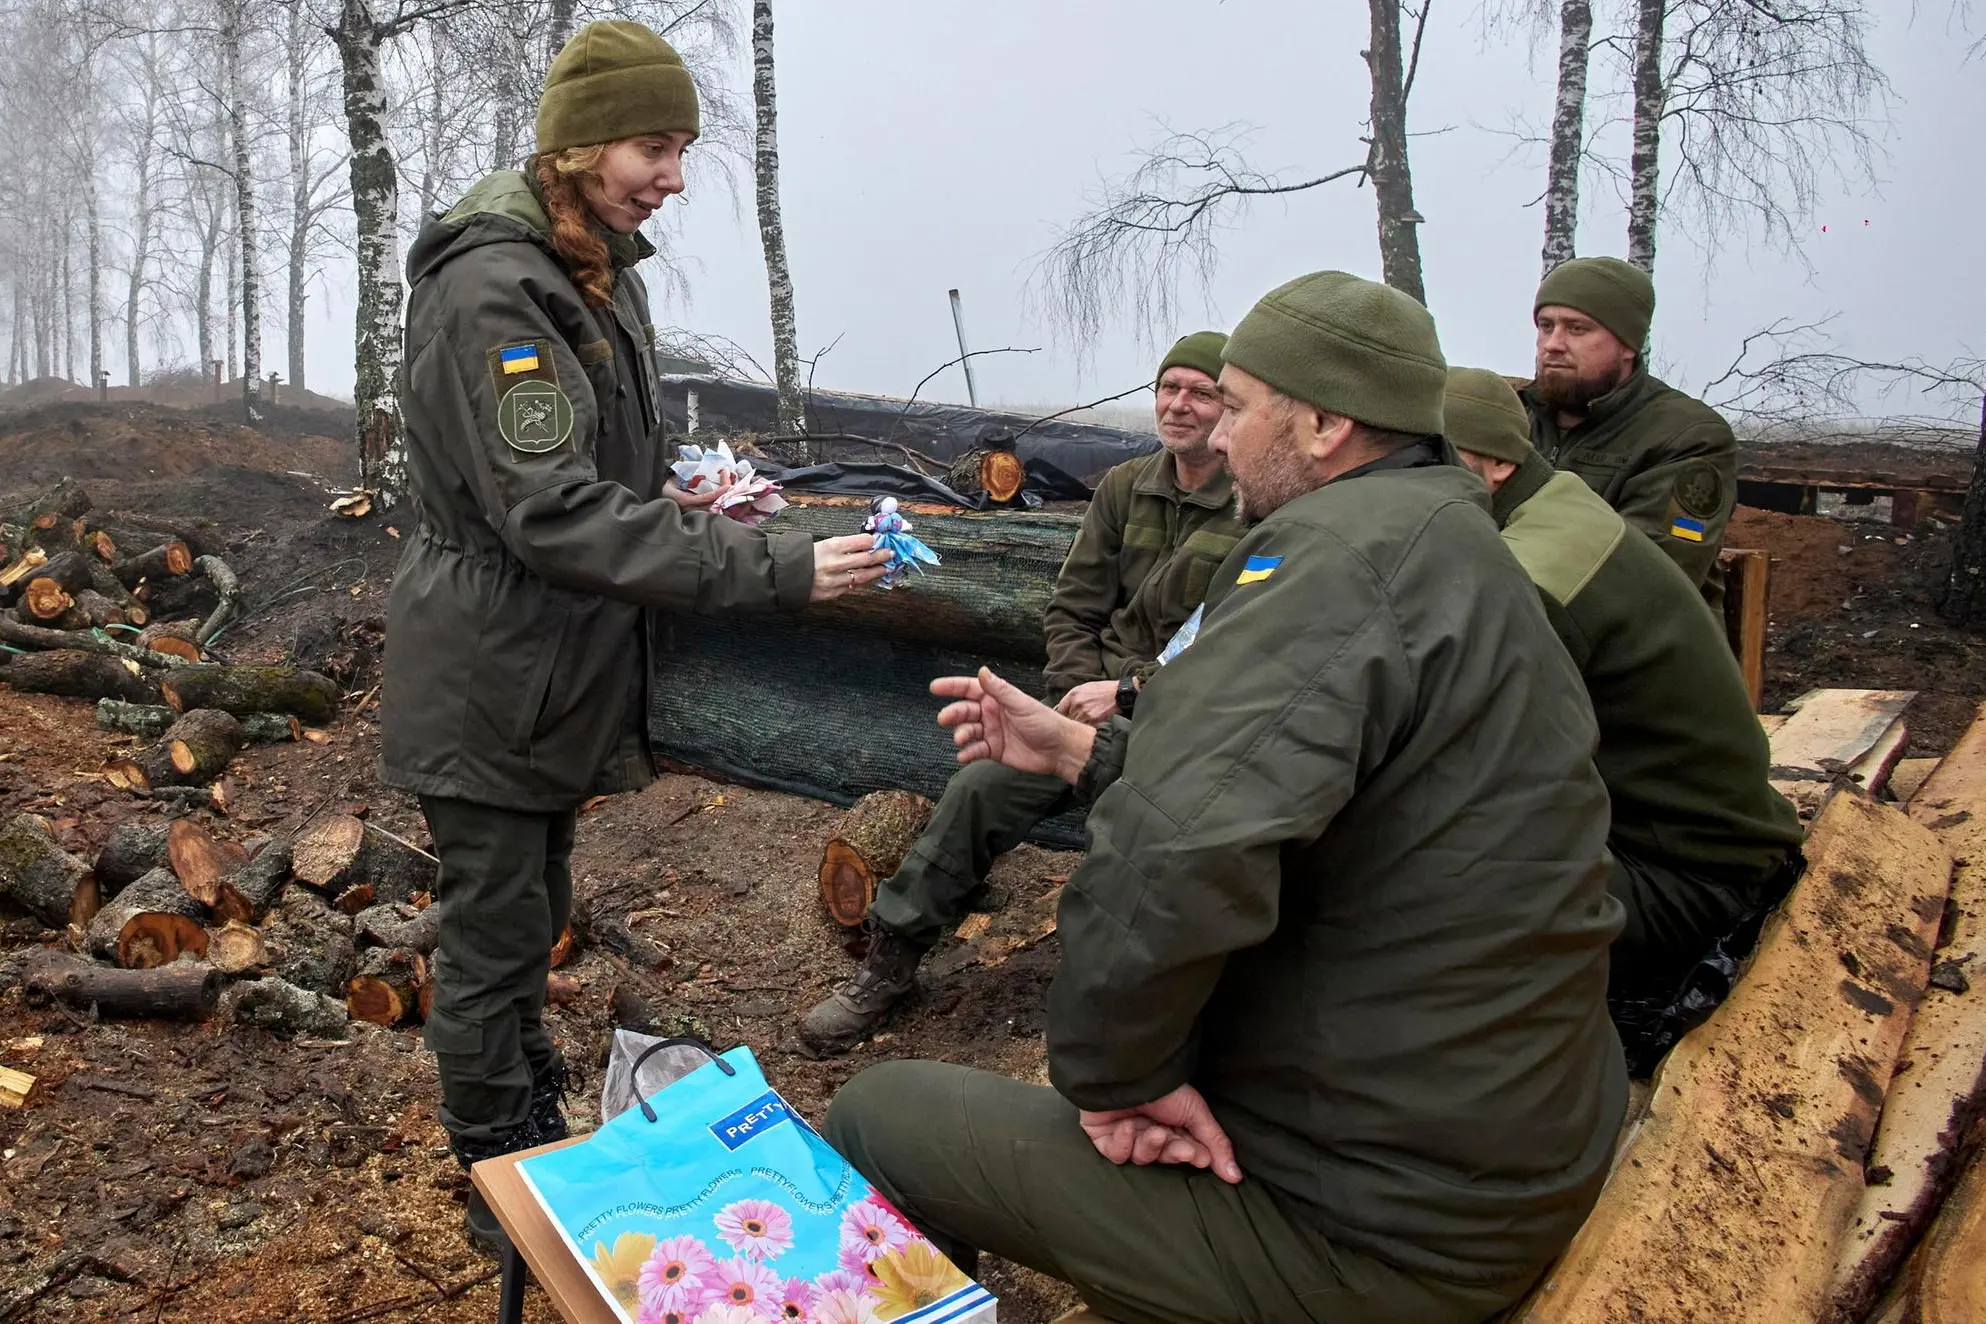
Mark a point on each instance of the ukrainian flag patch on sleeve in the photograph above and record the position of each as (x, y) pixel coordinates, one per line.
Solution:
(518, 358)
(1687, 528)
(1258, 569)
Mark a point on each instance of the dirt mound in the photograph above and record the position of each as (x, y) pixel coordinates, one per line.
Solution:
(134, 442)
(176, 391)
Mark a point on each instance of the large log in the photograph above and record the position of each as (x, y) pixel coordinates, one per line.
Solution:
(194, 751)
(1940, 1087)
(67, 500)
(994, 473)
(76, 674)
(310, 944)
(169, 560)
(282, 1007)
(52, 588)
(130, 852)
(251, 889)
(154, 938)
(15, 631)
(340, 852)
(1737, 1191)
(304, 694)
(200, 860)
(158, 892)
(865, 848)
(36, 873)
(45, 600)
(181, 991)
(386, 990)
(152, 721)
(174, 637)
(91, 610)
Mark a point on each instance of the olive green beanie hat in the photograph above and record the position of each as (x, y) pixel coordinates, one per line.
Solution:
(1201, 350)
(1485, 417)
(1349, 346)
(1616, 294)
(614, 80)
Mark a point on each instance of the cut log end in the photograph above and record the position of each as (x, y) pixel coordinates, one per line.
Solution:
(151, 939)
(199, 860)
(865, 848)
(848, 887)
(45, 599)
(326, 853)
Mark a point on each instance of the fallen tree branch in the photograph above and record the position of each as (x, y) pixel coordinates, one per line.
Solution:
(228, 587)
(13, 630)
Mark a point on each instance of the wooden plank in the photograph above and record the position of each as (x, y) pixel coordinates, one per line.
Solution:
(1945, 1280)
(551, 1262)
(1734, 1196)
(1909, 774)
(1830, 733)
(1747, 584)
(1940, 1084)
(1872, 771)
(1772, 721)
(15, 1088)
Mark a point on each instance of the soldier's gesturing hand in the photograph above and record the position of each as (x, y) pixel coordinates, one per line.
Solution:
(993, 720)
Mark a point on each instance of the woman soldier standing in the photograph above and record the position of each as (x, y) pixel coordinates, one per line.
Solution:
(522, 624)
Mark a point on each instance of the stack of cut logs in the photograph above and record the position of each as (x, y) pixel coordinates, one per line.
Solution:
(331, 922)
(84, 615)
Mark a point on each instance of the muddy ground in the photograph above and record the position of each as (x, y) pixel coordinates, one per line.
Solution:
(168, 1172)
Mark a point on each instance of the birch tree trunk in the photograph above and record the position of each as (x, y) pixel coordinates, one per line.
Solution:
(244, 206)
(1575, 28)
(772, 233)
(93, 239)
(1645, 164)
(1387, 163)
(559, 30)
(67, 340)
(142, 205)
(375, 208)
(296, 53)
(203, 300)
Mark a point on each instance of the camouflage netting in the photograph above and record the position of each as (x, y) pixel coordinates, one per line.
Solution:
(835, 703)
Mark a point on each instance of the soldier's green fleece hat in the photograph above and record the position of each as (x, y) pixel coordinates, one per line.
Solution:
(1616, 294)
(1348, 346)
(615, 80)
(1200, 350)
(1485, 416)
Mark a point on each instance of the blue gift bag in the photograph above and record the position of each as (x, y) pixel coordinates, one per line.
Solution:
(715, 1203)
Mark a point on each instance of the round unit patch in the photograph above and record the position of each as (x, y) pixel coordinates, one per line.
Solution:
(1700, 489)
(535, 417)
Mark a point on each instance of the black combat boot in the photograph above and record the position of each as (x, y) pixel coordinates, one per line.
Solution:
(852, 1012)
(480, 1223)
(548, 1095)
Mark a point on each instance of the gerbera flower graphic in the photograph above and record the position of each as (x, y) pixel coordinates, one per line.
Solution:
(742, 1282)
(657, 1316)
(620, 1268)
(757, 1228)
(841, 1280)
(795, 1300)
(869, 1230)
(912, 1278)
(845, 1308)
(675, 1275)
(726, 1313)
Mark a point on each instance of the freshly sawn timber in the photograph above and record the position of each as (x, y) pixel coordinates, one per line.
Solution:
(865, 848)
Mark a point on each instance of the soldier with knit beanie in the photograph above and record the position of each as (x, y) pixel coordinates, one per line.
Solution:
(518, 637)
(1665, 460)
(1156, 531)
(1329, 1038)
(1701, 843)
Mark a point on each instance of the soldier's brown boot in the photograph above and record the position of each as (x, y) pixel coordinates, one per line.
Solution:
(852, 1012)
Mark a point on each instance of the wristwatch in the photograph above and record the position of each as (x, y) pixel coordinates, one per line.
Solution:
(1127, 694)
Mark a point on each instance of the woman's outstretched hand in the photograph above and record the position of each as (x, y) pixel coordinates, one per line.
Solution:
(846, 563)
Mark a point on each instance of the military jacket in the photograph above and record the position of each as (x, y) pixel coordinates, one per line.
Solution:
(1139, 566)
(1347, 876)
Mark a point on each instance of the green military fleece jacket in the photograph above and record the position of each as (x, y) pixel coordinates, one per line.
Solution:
(520, 619)
(1139, 566)
(1347, 876)
(1665, 460)
(1685, 760)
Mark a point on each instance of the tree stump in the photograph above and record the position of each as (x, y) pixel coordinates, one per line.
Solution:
(865, 848)
(153, 938)
(386, 989)
(237, 949)
(995, 474)
(303, 694)
(35, 873)
(132, 851)
(158, 892)
(75, 674)
(275, 1004)
(182, 991)
(310, 944)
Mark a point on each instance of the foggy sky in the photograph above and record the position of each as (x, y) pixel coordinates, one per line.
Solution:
(927, 144)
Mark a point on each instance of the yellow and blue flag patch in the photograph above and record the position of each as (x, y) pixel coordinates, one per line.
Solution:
(1687, 528)
(1258, 569)
(519, 358)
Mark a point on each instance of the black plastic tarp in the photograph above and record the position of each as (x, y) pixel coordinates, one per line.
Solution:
(1082, 451)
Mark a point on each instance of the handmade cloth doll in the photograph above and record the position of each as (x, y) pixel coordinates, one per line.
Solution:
(893, 532)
